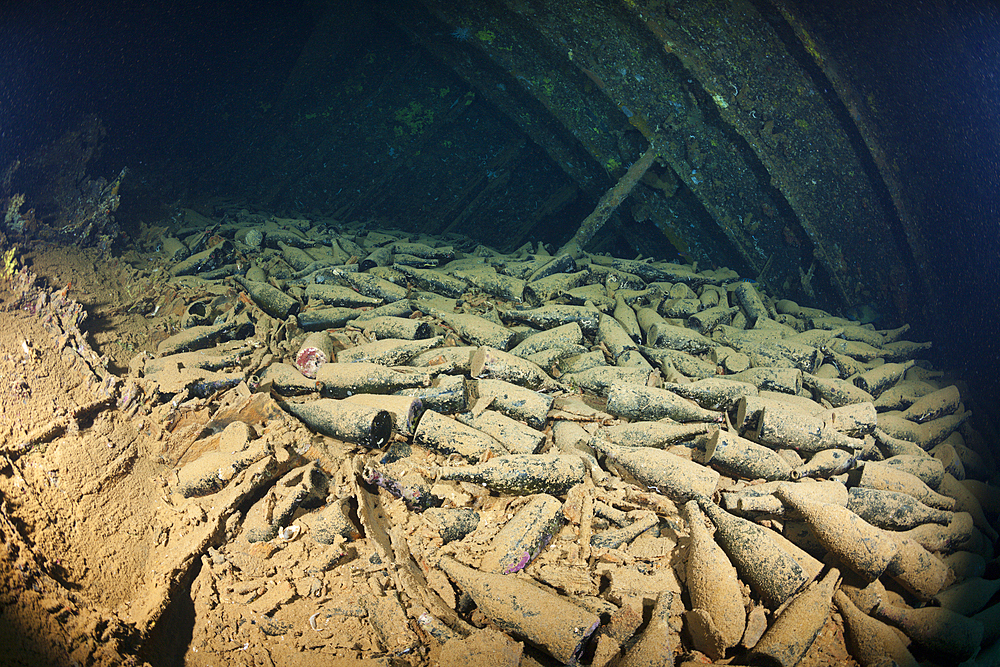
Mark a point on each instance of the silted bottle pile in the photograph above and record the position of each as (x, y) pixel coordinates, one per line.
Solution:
(585, 438)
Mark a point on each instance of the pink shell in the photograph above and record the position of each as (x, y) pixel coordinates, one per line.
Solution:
(309, 360)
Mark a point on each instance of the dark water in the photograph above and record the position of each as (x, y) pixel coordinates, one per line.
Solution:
(184, 91)
(934, 68)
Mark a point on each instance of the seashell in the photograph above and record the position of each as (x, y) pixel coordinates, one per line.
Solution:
(288, 533)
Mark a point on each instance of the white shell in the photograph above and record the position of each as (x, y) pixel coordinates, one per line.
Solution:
(288, 533)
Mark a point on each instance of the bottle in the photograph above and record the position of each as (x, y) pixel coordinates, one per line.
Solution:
(959, 534)
(870, 641)
(369, 427)
(770, 570)
(826, 463)
(408, 486)
(633, 401)
(927, 469)
(782, 426)
(285, 379)
(665, 473)
(878, 475)
(616, 537)
(893, 510)
(744, 458)
(940, 631)
(524, 536)
(488, 362)
(449, 436)
(271, 300)
(714, 588)
(965, 501)
(341, 380)
(406, 411)
(968, 597)
(836, 391)
(388, 351)
(795, 629)
(936, 404)
(880, 378)
(523, 474)
(547, 620)
(515, 401)
(653, 648)
(857, 543)
(916, 569)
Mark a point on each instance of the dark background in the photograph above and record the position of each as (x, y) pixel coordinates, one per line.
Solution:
(175, 84)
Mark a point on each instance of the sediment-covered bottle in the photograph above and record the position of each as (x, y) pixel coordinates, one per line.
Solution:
(714, 588)
(271, 300)
(661, 471)
(965, 501)
(659, 433)
(871, 642)
(968, 597)
(388, 351)
(893, 510)
(878, 475)
(521, 474)
(826, 463)
(880, 378)
(633, 401)
(858, 544)
(653, 648)
(744, 458)
(785, 427)
(916, 569)
(956, 535)
(926, 468)
(547, 620)
(516, 402)
(769, 570)
(525, 535)
(936, 404)
(406, 411)
(488, 362)
(794, 630)
(448, 436)
(940, 631)
(369, 427)
(341, 380)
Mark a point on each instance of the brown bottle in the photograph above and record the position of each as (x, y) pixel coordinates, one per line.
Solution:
(938, 630)
(795, 629)
(714, 589)
(870, 641)
(893, 510)
(661, 471)
(771, 571)
(516, 606)
(857, 543)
